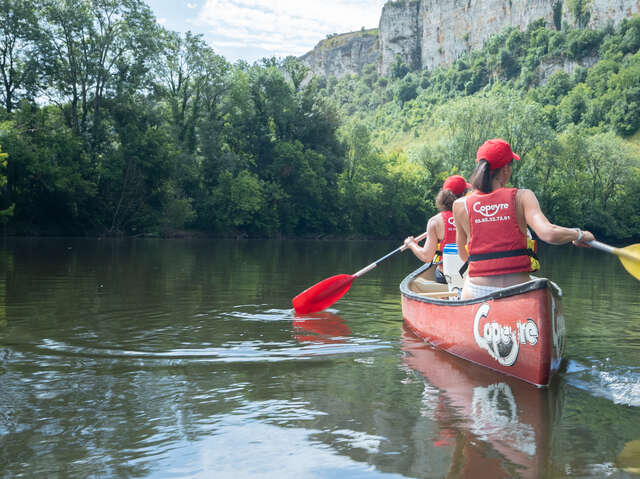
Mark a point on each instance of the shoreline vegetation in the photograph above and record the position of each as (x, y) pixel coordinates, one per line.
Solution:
(113, 126)
(202, 235)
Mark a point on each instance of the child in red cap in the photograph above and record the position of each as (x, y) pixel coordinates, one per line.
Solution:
(441, 228)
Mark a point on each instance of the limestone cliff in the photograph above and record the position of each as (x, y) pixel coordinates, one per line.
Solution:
(340, 55)
(429, 33)
(447, 29)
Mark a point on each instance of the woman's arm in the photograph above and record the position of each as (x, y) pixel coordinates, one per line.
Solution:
(544, 229)
(426, 252)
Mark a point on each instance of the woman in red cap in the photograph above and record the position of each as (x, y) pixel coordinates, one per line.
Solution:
(441, 229)
(492, 225)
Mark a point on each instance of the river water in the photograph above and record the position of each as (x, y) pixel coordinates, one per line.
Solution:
(183, 359)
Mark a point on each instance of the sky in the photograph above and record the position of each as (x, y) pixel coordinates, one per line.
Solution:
(253, 29)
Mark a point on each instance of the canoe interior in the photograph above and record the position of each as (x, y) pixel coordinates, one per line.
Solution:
(421, 285)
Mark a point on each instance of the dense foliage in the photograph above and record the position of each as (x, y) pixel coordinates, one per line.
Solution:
(114, 125)
(576, 132)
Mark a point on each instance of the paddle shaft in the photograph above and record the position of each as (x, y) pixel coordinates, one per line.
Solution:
(610, 249)
(397, 250)
(601, 246)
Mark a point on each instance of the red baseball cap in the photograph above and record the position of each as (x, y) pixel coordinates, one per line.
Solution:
(497, 152)
(456, 184)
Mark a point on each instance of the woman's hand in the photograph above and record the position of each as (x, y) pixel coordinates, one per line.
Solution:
(586, 237)
(408, 240)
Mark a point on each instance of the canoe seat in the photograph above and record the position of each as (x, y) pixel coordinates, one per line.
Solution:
(441, 294)
(422, 285)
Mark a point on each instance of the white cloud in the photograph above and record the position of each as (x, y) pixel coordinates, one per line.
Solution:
(162, 21)
(283, 27)
(192, 5)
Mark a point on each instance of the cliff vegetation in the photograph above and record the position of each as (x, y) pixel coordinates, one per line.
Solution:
(336, 40)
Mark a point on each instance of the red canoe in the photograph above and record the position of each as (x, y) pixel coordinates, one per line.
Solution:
(518, 330)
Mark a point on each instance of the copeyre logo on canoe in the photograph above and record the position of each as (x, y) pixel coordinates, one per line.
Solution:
(489, 210)
(502, 342)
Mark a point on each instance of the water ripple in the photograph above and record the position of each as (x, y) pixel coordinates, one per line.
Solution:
(620, 385)
(267, 315)
(230, 352)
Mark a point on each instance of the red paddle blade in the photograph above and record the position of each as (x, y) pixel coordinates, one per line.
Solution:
(323, 294)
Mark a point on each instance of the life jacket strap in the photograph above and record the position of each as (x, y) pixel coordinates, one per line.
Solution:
(496, 255)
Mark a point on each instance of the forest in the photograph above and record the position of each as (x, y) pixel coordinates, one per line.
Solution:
(112, 125)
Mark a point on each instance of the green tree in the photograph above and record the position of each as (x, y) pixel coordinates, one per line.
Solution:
(6, 212)
(399, 68)
(358, 141)
(88, 46)
(624, 114)
(574, 106)
(589, 189)
(237, 199)
(406, 89)
(191, 78)
(295, 70)
(18, 52)
(136, 172)
(49, 176)
(580, 11)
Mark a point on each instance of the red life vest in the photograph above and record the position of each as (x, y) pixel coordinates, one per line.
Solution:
(449, 228)
(496, 243)
(449, 235)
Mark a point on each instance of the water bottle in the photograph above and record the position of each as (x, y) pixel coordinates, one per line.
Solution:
(451, 264)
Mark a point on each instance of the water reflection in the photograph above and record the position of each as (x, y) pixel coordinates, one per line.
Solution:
(493, 425)
(323, 327)
(150, 358)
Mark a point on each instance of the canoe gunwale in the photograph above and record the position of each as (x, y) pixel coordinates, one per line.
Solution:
(534, 284)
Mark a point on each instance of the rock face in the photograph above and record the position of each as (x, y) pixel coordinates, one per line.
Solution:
(401, 33)
(430, 33)
(344, 54)
(447, 29)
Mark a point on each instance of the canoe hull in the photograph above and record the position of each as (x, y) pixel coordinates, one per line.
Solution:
(519, 331)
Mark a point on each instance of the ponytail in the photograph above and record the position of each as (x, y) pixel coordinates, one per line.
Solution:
(481, 177)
